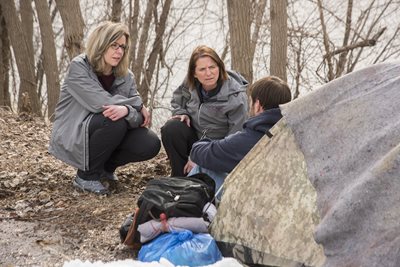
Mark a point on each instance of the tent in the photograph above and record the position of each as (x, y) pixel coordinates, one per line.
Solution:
(325, 189)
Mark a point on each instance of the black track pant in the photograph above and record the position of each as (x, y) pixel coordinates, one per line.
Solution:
(177, 140)
(113, 144)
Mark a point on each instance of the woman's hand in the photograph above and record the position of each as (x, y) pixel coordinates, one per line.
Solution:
(189, 166)
(115, 112)
(182, 118)
(146, 117)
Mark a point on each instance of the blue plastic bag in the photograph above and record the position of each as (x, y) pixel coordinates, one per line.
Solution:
(182, 248)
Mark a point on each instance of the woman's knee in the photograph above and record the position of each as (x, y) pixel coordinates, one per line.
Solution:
(153, 145)
(145, 144)
(99, 122)
(174, 129)
(170, 127)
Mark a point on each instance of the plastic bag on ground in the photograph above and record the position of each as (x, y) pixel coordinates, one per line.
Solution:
(182, 248)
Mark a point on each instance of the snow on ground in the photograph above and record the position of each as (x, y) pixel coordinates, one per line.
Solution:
(225, 262)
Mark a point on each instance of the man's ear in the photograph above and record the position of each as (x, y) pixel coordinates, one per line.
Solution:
(257, 107)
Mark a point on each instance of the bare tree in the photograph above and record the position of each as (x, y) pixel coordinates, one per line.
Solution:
(258, 11)
(71, 16)
(239, 17)
(26, 14)
(144, 87)
(49, 56)
(142, 44)
(23, 55)
(353, 40)
(330, 39)
(133, 18)
(5, 59)
(116, 10)
(245, 25)
(300, 40)
(278, 62)
(328, 58)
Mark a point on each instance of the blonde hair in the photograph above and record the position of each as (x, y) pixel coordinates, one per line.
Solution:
(100, 40)
(204, 51)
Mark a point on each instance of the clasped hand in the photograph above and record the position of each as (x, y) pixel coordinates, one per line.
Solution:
(116, 112)
(182, 118)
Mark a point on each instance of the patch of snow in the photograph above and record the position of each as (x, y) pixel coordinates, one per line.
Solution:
(225, 262)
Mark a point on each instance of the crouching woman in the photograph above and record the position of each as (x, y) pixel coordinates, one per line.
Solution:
(100, 121)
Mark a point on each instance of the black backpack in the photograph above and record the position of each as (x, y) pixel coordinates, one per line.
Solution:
(173, 196)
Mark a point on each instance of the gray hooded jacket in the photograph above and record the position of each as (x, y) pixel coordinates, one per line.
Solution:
(221, 114)
(81, 96)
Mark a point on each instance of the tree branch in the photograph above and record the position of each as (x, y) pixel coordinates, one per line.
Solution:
(364, 43)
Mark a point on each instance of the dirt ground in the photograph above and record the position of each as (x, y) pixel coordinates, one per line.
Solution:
(44, 220)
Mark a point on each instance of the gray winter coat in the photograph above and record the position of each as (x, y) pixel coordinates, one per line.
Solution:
(220, 115)
(81, 96)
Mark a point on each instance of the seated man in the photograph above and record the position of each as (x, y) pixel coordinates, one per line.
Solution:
(219, 157)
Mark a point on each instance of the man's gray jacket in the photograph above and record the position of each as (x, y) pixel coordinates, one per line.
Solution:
(81, 96)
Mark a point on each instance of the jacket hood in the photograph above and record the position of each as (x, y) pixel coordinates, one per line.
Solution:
(264, 121)
(236, 76)
(236, 83)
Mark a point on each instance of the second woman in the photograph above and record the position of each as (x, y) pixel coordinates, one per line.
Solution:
(211, 102)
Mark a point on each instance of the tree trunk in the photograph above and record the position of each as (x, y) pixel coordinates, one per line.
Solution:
(133, 29)
(22, 54)
(141, 51)
(278, 61)
(49, 56)
(116, 10)
(328, 57)
(5, 56)
(343, 56)
(71, 17)
(240, 31)
(259, 13)
(144, 87)
(26, 14)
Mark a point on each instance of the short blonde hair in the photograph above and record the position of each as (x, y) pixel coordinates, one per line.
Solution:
(100, 40)
(204, 51)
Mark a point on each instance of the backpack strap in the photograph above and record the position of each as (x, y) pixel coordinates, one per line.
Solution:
(205, 217)
(130, 236)
(142, 215)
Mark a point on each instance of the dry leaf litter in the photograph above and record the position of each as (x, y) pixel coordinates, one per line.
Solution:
(44, 220)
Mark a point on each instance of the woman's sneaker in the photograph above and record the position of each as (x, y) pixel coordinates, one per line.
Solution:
(110, 176)
(93, 186)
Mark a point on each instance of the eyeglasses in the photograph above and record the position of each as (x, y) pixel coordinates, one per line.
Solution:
(115, 46)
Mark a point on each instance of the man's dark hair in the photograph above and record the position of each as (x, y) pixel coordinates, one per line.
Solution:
(271, 91)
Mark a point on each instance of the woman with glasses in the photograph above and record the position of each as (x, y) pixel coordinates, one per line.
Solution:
(100, 121)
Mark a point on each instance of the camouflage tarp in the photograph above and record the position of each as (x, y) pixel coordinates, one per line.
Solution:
(268, 213)
(348, 132)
